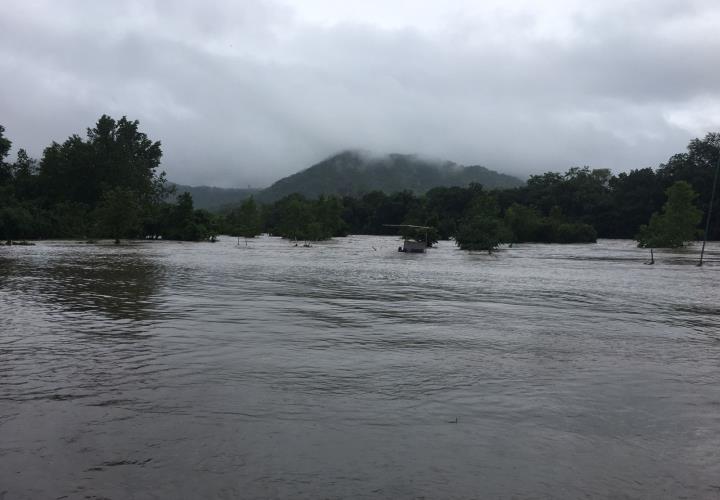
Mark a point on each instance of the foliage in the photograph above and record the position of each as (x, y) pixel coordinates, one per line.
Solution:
(524, 223)
(677, 224)
(108, 184)
(115, 154)
(5, 145)
(118, 214)
(481, 232)
(180, 221)
(297, 218)
(482, 228)
(244, 221)
(16, 222)
(104, 185)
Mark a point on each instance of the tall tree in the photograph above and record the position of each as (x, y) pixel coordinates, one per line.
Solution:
(676, 224)
(482, 227)
(118, 214)
(115, 154)
(245, 220)
(5, 145)
(328, 212)
(697, 167)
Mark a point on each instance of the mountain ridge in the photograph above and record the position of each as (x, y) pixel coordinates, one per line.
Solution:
(355, 173)
(213, 198)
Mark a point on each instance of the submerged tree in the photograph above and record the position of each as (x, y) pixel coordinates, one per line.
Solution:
(481, 232)
(482, 228)
(245, 221)
(118, 214)
(328, 214)
(524, 223)
(676, 224)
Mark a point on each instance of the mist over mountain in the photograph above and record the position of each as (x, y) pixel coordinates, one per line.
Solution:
(353, 173)
(213, 198)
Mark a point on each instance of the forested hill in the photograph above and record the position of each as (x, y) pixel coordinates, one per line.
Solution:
(213, 198)
(353, 173)
(107, 185)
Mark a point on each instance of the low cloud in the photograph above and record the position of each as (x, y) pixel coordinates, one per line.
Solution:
(246, 92)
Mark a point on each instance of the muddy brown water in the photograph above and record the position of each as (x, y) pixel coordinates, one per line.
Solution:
(197, 370)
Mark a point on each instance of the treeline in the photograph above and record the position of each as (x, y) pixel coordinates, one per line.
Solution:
(450, 212)
(578, 206)
(108, 185)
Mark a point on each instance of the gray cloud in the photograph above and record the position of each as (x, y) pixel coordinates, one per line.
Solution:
(246, 92)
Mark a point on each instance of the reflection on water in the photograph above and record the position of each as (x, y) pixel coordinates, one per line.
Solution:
(177, 370)
(115, 282)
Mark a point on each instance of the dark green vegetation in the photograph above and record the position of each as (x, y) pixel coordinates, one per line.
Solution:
(107, 185)
(353, 173)
(575, 207)
(244, 221)
(297, 218)
(676, 224)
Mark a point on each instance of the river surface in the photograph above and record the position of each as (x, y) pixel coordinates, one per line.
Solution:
(349, 370)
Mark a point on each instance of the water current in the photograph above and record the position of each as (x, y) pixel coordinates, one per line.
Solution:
(349, 370)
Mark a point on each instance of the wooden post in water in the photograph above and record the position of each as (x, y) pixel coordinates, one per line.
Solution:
(709, 213)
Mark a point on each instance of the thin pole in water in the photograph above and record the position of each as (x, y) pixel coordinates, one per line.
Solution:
(709, 214)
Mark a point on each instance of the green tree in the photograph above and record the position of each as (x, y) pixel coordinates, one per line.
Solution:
(481, 232)
(118, 214)
(5, 145)
(328, 212)
(178, 221)
(697, 167)
(16, 222)
(292, 215)
(245, 221)
(676, 224)
(205, 226)
(523, 222)
(482, 228)
(115, 154)
(636, 195)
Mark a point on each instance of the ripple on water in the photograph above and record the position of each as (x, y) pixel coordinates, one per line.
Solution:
(350, 370)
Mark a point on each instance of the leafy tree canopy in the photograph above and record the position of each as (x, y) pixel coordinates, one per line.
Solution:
(676, 224)
(115, 154)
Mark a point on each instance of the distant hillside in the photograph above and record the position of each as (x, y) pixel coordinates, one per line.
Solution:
(354, 173)
(214, 198)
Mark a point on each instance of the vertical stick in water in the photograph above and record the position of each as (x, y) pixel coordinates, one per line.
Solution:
(709, 213)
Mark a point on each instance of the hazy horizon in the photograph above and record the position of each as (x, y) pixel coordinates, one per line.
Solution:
(247, 93)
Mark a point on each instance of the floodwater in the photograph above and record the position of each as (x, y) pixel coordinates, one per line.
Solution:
(349, 370)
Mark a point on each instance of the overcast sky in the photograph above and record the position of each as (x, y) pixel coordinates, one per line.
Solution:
(244, 92)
